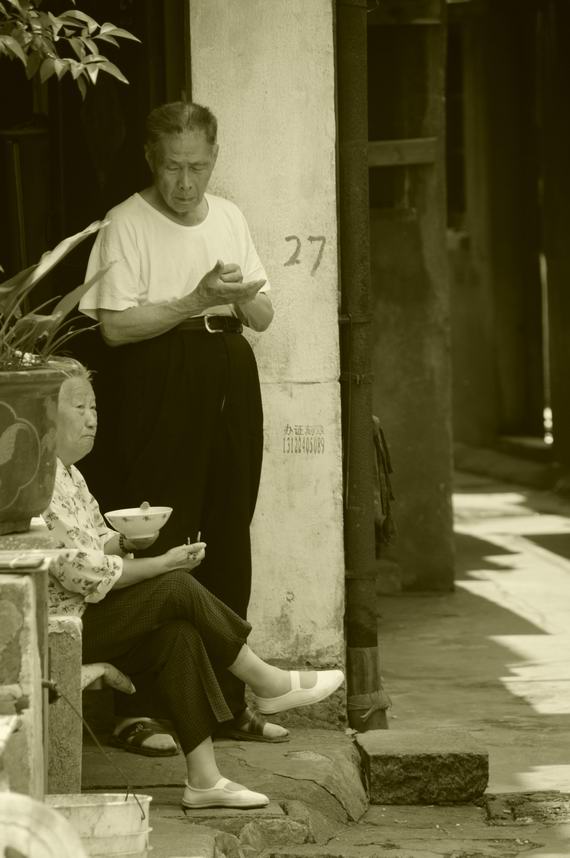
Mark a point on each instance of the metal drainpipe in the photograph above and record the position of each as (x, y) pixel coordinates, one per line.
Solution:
(366, 706)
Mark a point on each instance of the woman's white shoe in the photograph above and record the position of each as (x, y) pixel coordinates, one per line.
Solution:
(327, 682)
(220, 796)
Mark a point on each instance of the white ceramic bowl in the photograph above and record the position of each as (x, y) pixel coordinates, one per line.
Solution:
(135, 522)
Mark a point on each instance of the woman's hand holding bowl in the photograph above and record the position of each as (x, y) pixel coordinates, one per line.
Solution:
(138, 543)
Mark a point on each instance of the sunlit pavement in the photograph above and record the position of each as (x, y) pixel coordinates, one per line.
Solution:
(494, 656)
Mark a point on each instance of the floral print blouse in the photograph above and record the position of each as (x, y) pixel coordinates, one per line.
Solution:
(82, 573)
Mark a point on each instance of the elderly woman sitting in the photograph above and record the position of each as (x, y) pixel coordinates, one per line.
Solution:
(153, 621)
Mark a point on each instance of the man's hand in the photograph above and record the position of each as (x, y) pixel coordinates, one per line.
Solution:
(224, 285)
(231, 273)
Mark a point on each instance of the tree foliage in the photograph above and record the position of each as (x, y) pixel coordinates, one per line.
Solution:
(49, 44)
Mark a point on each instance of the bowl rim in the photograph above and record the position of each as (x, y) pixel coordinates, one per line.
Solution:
(135, 511)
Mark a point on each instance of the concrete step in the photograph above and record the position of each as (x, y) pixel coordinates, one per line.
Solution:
(501, 826)
(423, 767)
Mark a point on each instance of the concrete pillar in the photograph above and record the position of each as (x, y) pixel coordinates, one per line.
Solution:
(266, 68)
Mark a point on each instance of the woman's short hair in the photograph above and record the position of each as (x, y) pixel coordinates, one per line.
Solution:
(73, 368)
(176, 117)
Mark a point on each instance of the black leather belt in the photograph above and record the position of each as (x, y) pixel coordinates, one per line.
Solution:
(213, 324)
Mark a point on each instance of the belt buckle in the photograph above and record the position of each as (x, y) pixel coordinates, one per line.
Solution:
(208, 328)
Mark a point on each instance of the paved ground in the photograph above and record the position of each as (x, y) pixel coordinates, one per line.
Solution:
(491, 658)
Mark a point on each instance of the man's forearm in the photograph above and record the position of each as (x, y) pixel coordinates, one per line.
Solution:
(149, 320)
(256, 314)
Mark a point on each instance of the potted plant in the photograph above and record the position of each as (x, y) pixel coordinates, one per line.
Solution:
(30, 376)
(30, 372)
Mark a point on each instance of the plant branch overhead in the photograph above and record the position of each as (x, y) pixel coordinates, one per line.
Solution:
(55, 45)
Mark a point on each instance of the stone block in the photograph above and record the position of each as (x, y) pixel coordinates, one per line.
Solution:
(8, 727)
(20, 684)
(64, 726)
(423, 767)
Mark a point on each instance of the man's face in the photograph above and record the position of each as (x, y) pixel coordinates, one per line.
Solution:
(76, 420)
(182, 165)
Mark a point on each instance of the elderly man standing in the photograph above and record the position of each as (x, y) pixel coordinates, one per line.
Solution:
(181, 411)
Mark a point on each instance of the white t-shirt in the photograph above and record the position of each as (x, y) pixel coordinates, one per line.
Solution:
(157, 260)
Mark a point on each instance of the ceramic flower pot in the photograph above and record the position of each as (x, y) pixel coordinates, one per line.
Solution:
(28, 412)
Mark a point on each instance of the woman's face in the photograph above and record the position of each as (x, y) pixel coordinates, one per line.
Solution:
(76, 420)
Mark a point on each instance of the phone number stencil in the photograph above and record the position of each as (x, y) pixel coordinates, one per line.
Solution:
(302, 439)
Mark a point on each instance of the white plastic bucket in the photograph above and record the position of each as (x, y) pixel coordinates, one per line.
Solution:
(107, 823)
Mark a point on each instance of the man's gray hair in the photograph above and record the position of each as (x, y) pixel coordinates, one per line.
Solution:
(177, 117)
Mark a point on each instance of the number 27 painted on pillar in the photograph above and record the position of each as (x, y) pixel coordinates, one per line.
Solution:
(294, 259)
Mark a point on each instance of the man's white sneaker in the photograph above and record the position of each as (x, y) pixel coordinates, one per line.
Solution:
(327, 682)
(220, 796)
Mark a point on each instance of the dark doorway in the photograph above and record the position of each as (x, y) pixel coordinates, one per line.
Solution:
(65, 162)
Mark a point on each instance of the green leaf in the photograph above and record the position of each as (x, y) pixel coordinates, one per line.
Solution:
(13, 47)
(20, 7)
(58, 339)
(60, 251)
(61, 66)
(43, 23)
(56, 22)
(110, 39)
(112, 69)
(12, 289)
(47, 69)
(76, 14)
(34, 62)
(118, 32)
(67, 304)
(93, 72)
(76, 69)
(72, 299)
(32, 327)
(90, 45)
(15, 285)
(77, 47)
(82, 85)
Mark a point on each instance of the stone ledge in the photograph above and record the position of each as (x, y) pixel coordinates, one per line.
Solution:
(63, 624)
(423, 767)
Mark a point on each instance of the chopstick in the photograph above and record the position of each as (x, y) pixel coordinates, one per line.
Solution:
(188, 542)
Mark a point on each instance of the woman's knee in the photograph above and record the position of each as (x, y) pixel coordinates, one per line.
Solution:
(176, 632)
(178, 587)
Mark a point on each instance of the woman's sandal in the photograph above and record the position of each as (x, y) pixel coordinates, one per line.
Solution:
(248, 727)
(131, 739)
